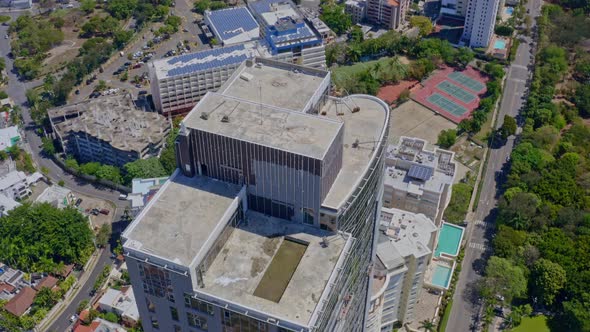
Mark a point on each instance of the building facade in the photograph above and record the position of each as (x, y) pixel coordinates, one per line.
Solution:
(406, 242)
(418, 179)
(357, 9)
(480, 20)
(261, 172)
(390, 14)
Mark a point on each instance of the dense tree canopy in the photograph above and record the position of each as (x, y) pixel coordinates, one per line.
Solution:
(335, 18)
(40, 237)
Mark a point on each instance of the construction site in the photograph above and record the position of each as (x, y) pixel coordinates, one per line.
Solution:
(110, 130)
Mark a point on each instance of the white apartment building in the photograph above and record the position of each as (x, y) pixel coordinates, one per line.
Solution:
(418, 179)
(480, 19)
(453, 7)
(15, 185)
(357, 10)
(405, 245)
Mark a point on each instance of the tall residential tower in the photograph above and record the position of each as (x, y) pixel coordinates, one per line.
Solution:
(480, 19)
(270, 222)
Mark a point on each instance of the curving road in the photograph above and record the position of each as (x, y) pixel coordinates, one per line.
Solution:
(465, 313)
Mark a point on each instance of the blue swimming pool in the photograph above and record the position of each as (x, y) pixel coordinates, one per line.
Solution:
(500, 44)
(449, 240)
(442, 276)
(509, 10)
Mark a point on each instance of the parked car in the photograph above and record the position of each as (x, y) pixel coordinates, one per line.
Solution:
(137, 65)
(142, 92)
(105, 212)
(78, 202)
(123, 197)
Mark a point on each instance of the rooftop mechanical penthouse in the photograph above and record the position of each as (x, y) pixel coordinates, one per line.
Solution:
(269, 223)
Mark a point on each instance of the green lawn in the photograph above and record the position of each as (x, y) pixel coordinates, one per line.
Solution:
(343, 72)
(532, 324)
(442, 326)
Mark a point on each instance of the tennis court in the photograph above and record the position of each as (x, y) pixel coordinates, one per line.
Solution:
(456, 91)
(447, 104)
(466, 81)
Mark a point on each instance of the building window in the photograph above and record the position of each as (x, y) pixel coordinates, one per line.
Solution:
(197, 321)
(155, 323)
(156, 281)
(204, 307)
(174, 313)
(235, 322)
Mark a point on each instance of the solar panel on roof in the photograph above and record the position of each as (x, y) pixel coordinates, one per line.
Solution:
(420, 172)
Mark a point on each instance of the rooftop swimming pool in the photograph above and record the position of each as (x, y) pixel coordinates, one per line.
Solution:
(509, 10)
(500, 44)
(442, 276)
(449, 240)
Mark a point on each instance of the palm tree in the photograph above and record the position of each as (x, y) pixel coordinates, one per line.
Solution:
(427, 325)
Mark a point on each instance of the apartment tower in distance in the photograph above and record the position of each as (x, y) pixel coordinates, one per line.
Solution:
(270, 221)
(480, 19)
(390, 14)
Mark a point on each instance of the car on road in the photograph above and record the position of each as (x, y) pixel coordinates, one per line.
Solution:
(138, 85)
(73, 318)
(95, 94)
(185, 30)
(142, 92)
(5, 36)
(122, 197)
(77, 92)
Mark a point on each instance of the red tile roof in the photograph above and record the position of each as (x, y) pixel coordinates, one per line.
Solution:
(7, 287)
(21, 302)
(48, 282)
(83, 328)
(66, 270)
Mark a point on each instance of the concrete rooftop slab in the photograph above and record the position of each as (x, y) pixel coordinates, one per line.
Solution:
(241, 263)
(180, 218)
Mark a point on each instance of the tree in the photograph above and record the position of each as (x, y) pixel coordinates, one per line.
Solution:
(423, 24)
(121, 9)
(87, 6)
(464, 56)
(447, 138)
(201, 6)
(509, 127)
(518, 313)
(83, 304)
(168, 155)
(582, 99)
(427, 325)
(110, 173)
(47, 145)
(547, 279)
(504, 30)
(356, 34)
(504, 279)
(144, 168)
(46, 298)
(103, 236)
(111, 317)
(335, 18)
(90, 168)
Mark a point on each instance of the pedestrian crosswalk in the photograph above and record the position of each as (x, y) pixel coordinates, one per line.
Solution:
(478, 246)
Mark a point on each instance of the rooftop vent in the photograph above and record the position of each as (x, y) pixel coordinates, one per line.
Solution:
(246, 77)
(225, 119)
(356, 109)
(204, 116)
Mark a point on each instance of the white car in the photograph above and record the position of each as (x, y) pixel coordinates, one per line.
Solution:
(73, 318)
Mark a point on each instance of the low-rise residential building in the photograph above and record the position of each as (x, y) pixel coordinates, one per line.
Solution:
(21, 302)
(9, 137)
(109, 130)
(357, 10)
(122, 303)
(390, 14)
(48, 281)
(98, 325)
(7, 204)
(405, 245)
(16, 184)
(57, 196)
(417, 178)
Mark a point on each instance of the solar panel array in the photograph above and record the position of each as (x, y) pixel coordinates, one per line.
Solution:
(420, 172)
(231, 22)
(207, 59)
(456, 91)
(466, 81)
(446, 104)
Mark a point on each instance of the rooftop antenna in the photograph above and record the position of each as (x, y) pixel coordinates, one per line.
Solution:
(225, 118)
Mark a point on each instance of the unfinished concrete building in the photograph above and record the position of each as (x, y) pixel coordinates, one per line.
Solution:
(110, 130)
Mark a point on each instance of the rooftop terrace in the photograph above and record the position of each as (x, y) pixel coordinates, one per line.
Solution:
(412, 164)
(245, 258)
(113, 119)
(181, 217)
(363, 130)
(408, 233)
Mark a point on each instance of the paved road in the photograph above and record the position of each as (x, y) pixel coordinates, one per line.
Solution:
(465, 302)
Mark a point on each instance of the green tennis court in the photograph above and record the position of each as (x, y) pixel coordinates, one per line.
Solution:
(456, 91)
(447, 105)
(466, 81)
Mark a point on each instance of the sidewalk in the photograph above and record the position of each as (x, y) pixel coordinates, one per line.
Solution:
(71, 294)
